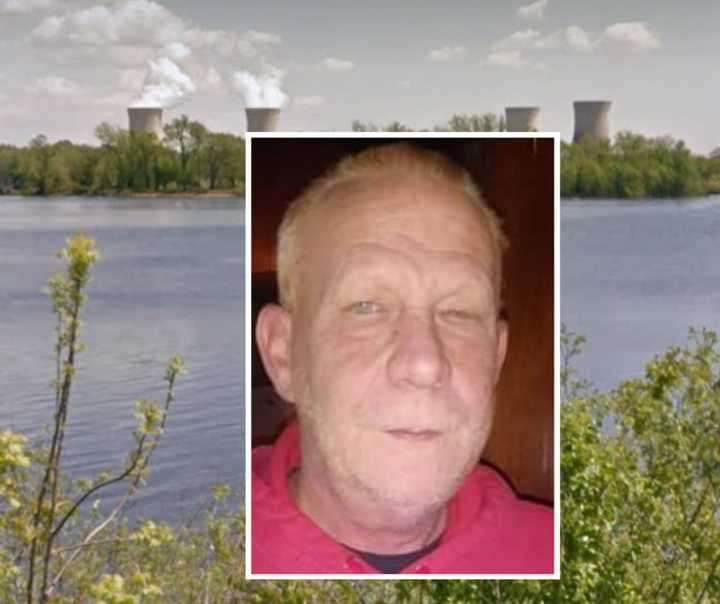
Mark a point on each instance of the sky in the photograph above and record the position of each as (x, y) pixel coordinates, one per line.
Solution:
(68, 65)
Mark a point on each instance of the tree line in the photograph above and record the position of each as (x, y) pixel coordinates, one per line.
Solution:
(460, 122)
(635, 166)
(629, 166)
(190, 158)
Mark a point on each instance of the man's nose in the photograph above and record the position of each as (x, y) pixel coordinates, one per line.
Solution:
(418, 356)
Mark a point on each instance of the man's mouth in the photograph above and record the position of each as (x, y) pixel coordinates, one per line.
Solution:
(411, 435)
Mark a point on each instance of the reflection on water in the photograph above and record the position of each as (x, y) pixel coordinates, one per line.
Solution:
(170, 281)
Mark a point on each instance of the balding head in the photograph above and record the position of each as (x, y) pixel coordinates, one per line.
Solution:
(374, 165)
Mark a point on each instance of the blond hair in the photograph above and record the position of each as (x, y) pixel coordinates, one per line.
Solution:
(374, 162)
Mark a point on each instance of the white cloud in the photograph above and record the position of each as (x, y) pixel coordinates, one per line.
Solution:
(131, 79)
(124, 36)
(522, 39)
(56, 86)
(577, 39)
(529, 39)
(532, 39)
(212, 81)
(146, 24)
(308, 101)
(534, 11)
(272, 71)
(550, 42)
(116, 56)
(510, 51)
(19, 7)
(630, 35)
(141, 22)
(264, 37)
(177, 51)
(507, 58)
(119, 54)
(447, 53)
(335, 65)
(229, 44)
(49, 28)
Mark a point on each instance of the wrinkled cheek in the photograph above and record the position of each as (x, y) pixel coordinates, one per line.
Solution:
(474, 372)
(345, 375)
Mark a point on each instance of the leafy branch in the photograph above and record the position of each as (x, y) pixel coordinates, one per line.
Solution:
(67, 293)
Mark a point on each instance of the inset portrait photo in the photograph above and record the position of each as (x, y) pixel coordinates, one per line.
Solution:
(403, 345)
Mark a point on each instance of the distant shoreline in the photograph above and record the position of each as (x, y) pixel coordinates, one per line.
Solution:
(217, 194)
(202, 194)
(677, 198)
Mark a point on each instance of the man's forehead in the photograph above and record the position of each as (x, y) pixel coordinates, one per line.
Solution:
(405, 252)
(360, 223)
(390, 186)
(395, 201)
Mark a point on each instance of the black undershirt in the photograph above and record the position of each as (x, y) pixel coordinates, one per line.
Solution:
(394, 563)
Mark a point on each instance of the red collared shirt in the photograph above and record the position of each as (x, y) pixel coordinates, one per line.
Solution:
(489, 530)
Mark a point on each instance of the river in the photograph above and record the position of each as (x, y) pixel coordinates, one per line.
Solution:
(170, 281)
(635, 276)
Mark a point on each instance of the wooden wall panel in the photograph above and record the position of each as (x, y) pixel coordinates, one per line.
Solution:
(519, 180)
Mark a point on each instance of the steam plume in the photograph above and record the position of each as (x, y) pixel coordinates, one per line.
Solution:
(259, 92)
(165, 85)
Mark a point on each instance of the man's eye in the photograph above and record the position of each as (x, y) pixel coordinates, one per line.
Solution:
(457, 314)
(364, 307)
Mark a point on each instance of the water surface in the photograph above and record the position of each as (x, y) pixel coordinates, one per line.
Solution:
(170, 281)
(635, 275)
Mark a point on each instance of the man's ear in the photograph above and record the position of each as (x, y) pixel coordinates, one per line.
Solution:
(274, 334)
(500, 346)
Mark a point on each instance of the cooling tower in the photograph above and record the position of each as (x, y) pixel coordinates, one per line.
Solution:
(146, 119)
(592, 118)
(262, 119)
(521, 119)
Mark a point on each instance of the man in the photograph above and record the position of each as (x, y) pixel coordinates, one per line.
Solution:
(389, 341)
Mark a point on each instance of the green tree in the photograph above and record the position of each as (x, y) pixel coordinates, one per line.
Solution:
(236, 170)
(8, 168)
(488, 122)
(213, 156)
(35, 163)
(395, 126)
(634, 166)
(186, 137)
(112, 170)
(142, 158)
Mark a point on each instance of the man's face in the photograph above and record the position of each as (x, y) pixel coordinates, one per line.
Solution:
(396, 346)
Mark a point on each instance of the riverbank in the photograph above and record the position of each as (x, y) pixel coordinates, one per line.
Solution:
(214, 194)
(705, 195)
(164, 195)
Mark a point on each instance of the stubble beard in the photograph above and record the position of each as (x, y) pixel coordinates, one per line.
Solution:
(378, 475)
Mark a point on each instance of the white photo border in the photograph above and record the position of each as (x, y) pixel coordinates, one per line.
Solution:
(250, 136)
